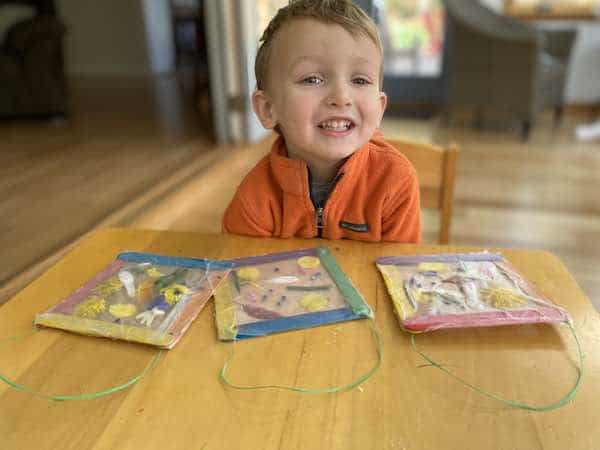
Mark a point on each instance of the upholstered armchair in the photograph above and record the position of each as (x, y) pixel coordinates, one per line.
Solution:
(496, 62)
(32, 78)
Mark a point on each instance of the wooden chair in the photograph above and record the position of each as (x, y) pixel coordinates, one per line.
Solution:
(436, 169)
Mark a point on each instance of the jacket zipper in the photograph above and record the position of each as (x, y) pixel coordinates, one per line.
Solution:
(319, 211)
(319, 217)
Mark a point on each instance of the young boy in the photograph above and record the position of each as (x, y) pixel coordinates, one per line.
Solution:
(330, 173)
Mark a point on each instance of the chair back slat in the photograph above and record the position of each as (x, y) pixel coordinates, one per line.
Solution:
(436, 171)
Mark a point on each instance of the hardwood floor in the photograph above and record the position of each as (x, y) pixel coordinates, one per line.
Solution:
(57, 180)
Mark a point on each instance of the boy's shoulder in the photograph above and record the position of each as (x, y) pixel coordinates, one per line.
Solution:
(275, 171)
(388, 158)
(260, 174)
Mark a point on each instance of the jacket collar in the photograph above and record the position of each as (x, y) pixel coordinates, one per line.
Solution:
(292, 174)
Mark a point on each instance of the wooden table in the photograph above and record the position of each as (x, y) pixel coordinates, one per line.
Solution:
(183, 405)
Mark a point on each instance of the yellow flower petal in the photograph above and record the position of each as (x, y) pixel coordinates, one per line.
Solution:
(90, 308)
(153, 272)
(122, 309)
(314, 302)
(174, 293)
(502, 298)
(108, 287)
(309, 262)
(433, 267)
(248, 273)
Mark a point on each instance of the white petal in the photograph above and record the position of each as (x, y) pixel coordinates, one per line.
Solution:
(282, 280)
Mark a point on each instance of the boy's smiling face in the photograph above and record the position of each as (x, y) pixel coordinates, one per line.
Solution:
(323, 91)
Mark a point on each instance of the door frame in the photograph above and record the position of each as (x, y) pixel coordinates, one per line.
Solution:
(232, 47)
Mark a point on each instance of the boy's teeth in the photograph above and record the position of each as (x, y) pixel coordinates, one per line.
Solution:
(337, 125)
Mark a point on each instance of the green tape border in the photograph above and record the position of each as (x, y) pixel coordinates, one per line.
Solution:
(353, 297)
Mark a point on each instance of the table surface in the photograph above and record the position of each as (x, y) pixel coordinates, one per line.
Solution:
(182, 404)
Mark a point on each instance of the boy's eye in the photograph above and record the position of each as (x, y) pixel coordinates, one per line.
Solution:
(361, 81)
(313, 79)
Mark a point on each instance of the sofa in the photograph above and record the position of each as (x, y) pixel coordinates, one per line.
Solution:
(496, 62)
(32, 73)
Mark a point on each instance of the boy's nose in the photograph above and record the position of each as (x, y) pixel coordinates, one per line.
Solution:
(339, 96)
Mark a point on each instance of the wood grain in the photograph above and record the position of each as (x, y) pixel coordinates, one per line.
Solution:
(60, 179)
(182, 404)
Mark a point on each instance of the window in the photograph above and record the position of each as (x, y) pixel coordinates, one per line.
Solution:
(412, 32)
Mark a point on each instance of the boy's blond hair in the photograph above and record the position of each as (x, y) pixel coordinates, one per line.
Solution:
(342, 12)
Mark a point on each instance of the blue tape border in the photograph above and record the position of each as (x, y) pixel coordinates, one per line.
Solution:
(308, 320)
(161, 260)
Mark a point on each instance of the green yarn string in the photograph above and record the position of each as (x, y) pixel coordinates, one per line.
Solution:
(515, 404)
(84, 396)
(329, 390)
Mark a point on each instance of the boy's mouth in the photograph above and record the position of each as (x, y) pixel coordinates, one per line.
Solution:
(337, 125)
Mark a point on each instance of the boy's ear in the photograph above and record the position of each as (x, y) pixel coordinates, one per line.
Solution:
(263, 107)
(383, 101)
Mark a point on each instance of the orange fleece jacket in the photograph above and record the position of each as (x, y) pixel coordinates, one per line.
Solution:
(375, 199)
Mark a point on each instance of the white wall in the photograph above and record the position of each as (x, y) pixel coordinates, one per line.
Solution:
(583, 81)
(111, 37)
(583, 77)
